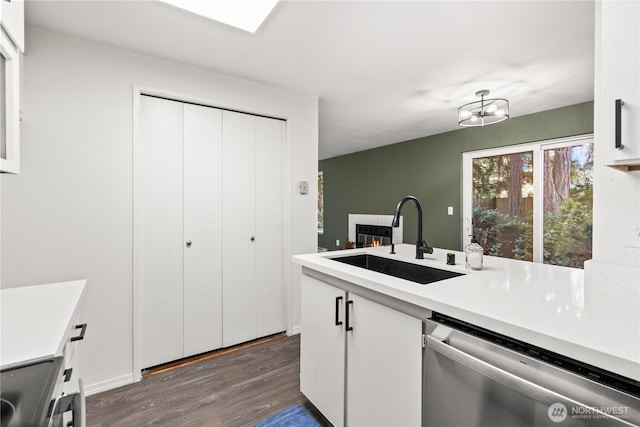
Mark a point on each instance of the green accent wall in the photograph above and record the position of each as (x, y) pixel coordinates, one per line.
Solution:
(430, 168)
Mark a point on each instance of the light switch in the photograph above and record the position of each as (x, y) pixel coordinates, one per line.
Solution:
(450, 210)
(304, 187)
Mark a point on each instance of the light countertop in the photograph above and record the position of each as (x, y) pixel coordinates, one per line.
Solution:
(596, 321)
(35, 320)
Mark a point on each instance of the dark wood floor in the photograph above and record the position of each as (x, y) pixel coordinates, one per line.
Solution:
(238, 388)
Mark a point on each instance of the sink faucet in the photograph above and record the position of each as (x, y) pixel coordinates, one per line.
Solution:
(421, 246)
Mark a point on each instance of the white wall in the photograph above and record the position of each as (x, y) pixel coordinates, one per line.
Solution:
(68, 215)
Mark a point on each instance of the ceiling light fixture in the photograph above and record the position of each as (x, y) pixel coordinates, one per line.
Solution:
(483, 112)
(247, 15)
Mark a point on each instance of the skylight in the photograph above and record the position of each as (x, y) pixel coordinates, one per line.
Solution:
(247, 15)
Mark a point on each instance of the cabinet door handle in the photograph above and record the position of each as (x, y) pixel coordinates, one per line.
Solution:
(71, 402)
(83, 329)
(253, 238)
(349, 327)
(619, 104)
(67, 374)
(338, 321)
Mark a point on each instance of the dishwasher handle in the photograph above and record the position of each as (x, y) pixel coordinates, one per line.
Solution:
(507, 379)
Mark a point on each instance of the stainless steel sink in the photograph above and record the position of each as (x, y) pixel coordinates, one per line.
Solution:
(403, 270)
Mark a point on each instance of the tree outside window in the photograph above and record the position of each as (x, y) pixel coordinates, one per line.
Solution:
(532, 202)
(503, 204)
(568, 205)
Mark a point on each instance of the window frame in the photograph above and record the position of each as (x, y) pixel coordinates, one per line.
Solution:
(10, 163)
(321, 196)
(538, 149)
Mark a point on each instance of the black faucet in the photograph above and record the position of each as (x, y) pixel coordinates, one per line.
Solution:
(421, 246)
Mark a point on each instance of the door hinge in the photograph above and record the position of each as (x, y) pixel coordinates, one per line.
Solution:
(424, 340)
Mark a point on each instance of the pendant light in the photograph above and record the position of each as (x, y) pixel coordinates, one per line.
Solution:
(483, 112)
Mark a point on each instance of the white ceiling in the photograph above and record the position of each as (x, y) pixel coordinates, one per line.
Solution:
(384, 71)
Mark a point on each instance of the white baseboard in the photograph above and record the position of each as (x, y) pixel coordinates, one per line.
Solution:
(108, 384)
(295, 330)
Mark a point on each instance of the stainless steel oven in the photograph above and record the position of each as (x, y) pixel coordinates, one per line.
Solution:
(33, 394)
(68, 409)
(474, 377)
(27, 391)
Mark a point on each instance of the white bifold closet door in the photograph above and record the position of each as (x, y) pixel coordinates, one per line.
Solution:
(209, 229)
(203, 228)
(270, 262)
(178, 230)
(252, 196)
(158, 239)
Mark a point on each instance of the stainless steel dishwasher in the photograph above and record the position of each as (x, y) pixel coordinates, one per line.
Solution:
(474, 377)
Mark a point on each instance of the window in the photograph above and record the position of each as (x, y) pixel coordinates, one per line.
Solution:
(320, 203)
(532, 202)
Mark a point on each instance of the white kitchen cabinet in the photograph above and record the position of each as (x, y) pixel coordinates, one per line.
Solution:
(72, 385)
(322, 347)
(384, 366)
(202, 205)
(360, 361)
(9, 104)
(12, 20)
(617, 96)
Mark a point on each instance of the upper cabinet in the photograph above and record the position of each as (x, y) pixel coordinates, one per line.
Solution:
(11, 44)
(12, 18)
(617, 87)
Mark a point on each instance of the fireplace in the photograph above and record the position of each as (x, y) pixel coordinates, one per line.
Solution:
(373, 230)
(373, 235)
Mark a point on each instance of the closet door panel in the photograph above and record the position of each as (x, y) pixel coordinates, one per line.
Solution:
(202, 229)
(158, 240)
(270, 167)
(239, 230)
